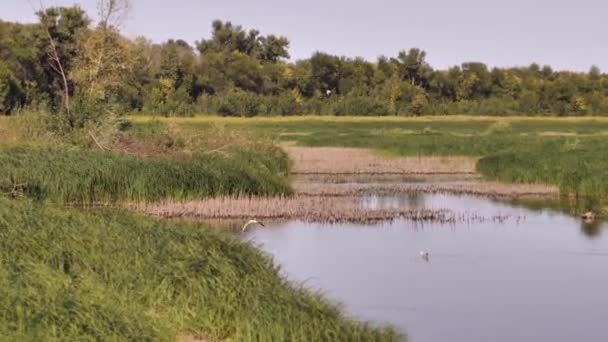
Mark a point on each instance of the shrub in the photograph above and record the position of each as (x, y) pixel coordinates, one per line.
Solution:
(237, 102)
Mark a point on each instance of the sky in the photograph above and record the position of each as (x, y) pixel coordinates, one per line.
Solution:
(568, 34)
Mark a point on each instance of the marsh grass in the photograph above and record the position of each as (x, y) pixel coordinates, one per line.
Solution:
(85, 176)
(106, 276)
(578, 167)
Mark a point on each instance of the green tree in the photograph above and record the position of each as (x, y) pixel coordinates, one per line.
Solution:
(413, 66)
(59, 31)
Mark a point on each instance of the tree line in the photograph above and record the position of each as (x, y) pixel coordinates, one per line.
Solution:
(65, 64)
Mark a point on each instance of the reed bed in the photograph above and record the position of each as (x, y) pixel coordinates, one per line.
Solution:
(81, 176)
(305, 208)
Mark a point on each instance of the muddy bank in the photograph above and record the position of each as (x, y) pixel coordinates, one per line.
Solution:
(328, 186)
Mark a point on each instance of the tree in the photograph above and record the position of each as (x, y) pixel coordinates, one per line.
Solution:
(60, 29)
(11, 93)
(594, 73)
(104, 63)
(325, 72)
(273, 48)
(413, 66)
(476, 81)
(113, 13)
(19, 64)
(226, 37)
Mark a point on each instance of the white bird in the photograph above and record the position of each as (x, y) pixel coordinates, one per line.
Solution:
(424, 255)
(249, 223)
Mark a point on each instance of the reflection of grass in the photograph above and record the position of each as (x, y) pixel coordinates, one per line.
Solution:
(116, 277)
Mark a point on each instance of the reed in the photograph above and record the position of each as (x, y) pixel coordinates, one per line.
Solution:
(321, 209)
(82, 176)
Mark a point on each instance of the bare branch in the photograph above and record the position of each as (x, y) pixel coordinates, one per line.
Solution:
(113, 13)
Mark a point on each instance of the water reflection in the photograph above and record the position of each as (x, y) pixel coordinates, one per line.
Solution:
(413, 200)
(538, 280)
(592, 229)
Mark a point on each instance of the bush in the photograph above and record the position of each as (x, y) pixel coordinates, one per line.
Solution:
(237, 102)
(360, 105)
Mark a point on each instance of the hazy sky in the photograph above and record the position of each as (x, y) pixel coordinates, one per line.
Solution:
(566, 34)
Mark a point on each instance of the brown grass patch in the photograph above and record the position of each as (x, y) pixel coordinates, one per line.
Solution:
(558, 134)
(341, 160)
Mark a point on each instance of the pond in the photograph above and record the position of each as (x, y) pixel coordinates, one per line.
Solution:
(539, 276)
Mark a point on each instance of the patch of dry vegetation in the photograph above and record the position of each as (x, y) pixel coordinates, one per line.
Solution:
(342, 160)
(305, 208)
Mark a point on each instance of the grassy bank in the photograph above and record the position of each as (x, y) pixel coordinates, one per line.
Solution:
(142, 163)
(113, 276)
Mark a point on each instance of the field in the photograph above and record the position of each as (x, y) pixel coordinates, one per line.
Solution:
(568, 152)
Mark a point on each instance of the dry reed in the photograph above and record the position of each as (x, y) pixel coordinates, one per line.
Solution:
(341, 160)
(306, 208)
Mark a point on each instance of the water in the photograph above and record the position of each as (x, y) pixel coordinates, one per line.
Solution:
(544, 278)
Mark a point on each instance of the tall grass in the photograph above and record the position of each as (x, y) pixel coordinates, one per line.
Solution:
(578, 167)
(66, 275)
(74, 175)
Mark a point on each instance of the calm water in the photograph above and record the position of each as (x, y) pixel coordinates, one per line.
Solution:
(544, 278)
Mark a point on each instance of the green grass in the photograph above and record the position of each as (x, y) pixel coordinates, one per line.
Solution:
(571, 153)
(67, 275)
(74, 175)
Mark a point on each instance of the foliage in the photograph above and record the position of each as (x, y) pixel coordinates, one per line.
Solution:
(242, 72)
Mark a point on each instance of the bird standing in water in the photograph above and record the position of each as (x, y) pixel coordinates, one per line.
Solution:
(251, 222)
(424, 255)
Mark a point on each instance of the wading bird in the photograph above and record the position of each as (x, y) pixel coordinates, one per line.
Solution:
(249, 223)
(424, 255)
